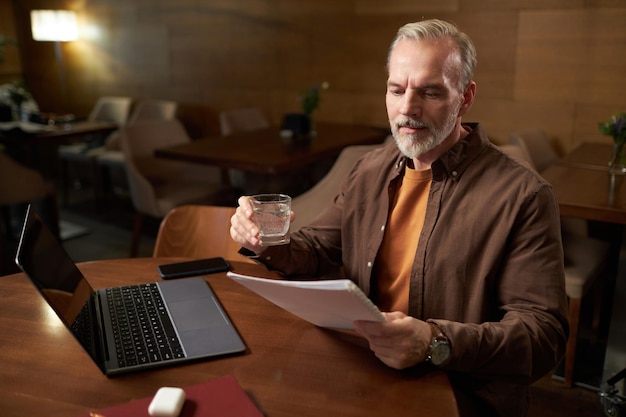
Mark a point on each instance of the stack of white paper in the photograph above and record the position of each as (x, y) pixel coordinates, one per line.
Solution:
(326, 303)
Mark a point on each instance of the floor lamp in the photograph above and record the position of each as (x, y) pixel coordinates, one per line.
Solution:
(55, 26)
(58, 26)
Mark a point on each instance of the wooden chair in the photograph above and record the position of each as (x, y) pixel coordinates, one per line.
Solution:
(196, 231)
(585, 257)
(158, 185)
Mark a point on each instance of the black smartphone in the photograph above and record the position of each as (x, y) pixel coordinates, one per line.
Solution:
(192, 268)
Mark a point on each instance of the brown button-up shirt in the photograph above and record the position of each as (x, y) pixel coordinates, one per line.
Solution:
(488, 267)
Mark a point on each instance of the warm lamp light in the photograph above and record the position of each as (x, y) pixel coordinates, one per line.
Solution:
(54, 25)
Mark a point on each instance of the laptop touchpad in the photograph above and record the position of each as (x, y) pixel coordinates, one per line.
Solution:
(203, 328)
(196, 314)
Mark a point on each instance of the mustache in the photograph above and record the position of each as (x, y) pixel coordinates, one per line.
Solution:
(412, 123)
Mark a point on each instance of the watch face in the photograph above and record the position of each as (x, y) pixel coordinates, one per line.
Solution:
(440, 352)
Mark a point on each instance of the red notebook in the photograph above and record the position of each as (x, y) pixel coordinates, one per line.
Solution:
(220, 397)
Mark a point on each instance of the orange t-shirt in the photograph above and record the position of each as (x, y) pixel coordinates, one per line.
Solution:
(396, 255)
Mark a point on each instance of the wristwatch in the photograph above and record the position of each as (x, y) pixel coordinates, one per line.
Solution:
(439, 350)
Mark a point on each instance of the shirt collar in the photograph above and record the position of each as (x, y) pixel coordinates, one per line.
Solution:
(453, 163)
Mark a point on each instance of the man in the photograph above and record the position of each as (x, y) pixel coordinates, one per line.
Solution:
(458, 242)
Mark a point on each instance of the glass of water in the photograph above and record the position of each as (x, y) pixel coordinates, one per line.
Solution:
(272, 213)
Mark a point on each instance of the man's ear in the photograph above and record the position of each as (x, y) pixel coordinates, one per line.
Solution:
(468, 98)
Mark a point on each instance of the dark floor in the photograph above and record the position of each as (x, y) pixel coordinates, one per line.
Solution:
(106, 232)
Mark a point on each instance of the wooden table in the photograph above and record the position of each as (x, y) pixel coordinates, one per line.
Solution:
(264, 152)
(585, 189)
(291, 368)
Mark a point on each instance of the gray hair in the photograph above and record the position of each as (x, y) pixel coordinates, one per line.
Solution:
(438, 29)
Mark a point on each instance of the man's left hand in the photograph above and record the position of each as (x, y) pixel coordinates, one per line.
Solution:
(400, 342)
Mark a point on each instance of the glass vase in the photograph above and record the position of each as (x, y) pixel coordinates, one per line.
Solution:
(618, 160)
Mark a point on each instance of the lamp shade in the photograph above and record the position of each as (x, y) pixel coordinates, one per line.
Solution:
(54, 25)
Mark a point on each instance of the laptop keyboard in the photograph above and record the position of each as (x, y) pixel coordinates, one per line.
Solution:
(142, 328)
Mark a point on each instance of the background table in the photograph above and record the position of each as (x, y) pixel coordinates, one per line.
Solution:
(585, 189)
(269, 163)
(34, 149)
(291, 368)
(59, 132)
(264, 152)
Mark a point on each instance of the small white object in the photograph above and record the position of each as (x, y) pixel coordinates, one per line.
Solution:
(167, 402)
(286, 134)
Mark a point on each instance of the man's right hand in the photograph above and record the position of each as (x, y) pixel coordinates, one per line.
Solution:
(243, 230)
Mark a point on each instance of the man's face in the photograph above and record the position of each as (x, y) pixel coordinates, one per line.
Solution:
(423, 102)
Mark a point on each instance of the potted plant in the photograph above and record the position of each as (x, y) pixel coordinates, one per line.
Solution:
(301, 125)
(616, 128)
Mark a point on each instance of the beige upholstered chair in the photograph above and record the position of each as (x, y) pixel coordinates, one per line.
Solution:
(517, 152)
(196, 231)
(158, 185)
(585, 257)
(537, 146)
(153, 110)
(111, 109)
(108, 109)
(110, 158)
(241, 120)
(309, 205)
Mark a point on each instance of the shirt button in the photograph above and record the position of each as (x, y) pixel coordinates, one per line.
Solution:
(454, 173)
(369, 264)
(382, 228)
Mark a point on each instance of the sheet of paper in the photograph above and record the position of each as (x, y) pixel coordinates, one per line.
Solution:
(325, 303)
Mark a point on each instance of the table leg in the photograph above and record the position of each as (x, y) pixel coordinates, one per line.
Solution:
(615, 356)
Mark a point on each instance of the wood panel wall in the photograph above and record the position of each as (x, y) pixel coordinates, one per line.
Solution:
(10, 63)
(559, 65)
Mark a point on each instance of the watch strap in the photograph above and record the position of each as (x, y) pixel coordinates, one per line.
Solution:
(436, 331)
(439, 340)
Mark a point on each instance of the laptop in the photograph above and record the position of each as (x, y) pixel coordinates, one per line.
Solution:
(179, 320)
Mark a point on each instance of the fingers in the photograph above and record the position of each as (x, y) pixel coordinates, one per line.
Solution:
(243, 230)
(400, 342)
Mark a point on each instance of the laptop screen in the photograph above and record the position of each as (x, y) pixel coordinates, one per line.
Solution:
(195, 324)
(42, 257)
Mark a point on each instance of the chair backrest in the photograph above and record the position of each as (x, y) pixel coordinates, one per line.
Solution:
(143, 137)
(310, 204)
(142, 168)
(242, 120)
(542, 156)
(538, 146)
(111, 109)
(517, 151)
(153, 110)
(158, 184)
(196, 231)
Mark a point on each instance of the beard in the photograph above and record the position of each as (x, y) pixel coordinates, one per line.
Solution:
(411, 145)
